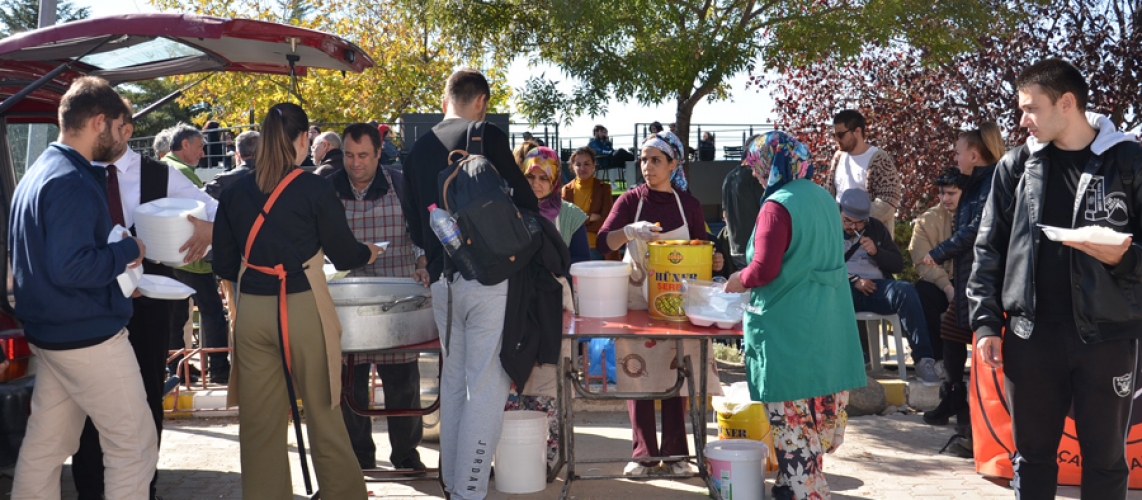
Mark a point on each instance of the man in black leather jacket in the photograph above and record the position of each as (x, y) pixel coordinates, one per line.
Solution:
(246, 144)
(1071, 309)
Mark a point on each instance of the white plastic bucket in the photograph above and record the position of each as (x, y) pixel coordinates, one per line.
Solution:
(521, 457)
(735, 466)
(601, 288)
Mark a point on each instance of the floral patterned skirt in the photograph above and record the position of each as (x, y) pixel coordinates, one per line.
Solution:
(546, 405)
(803, 431)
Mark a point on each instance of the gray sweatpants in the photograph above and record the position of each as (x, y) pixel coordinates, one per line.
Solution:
(474, 386)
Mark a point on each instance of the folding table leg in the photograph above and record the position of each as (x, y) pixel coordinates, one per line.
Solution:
(568, 426)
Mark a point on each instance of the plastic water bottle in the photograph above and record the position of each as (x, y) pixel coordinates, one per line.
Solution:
(450, 237)
(445, 228)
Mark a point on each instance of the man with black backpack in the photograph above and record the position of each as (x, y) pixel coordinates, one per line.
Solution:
(1062, 317)
(474, 384)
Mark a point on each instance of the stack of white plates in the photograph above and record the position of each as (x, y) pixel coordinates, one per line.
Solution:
(164, 227)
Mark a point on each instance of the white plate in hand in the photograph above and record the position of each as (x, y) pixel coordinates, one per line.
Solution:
(1090, 234)
(163, 288)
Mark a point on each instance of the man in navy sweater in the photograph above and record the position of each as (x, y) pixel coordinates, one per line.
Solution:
(73, 310)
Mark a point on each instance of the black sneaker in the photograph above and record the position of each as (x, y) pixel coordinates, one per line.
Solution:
(414, 468)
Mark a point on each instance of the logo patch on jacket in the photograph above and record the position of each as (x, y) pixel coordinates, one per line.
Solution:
(1122, 385)
(1101, 206)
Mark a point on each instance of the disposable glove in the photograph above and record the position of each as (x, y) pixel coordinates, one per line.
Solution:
(642, 230)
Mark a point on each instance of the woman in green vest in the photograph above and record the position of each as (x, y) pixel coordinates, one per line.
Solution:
(801, 345)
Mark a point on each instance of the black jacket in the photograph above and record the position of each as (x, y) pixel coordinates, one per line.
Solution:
(428, 157)
(965, 226)
(533, 321)
(888, 257)
(225, 179)
(1105, 300)
(332, 162)
(741, 201)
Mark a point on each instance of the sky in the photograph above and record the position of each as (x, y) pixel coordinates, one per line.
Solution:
(746, 106)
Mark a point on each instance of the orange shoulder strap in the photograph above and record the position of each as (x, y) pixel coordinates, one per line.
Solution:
(266, 210)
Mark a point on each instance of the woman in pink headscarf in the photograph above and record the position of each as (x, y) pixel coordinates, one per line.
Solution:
(541, 168)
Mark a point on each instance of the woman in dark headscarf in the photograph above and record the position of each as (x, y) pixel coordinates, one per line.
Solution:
(800, 365)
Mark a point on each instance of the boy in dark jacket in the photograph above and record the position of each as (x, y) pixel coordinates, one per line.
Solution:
(872, 258)
(1068, 311)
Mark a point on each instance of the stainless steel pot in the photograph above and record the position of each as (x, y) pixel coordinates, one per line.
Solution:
(381, 313)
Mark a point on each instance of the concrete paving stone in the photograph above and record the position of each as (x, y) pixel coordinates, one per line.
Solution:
(883, 458)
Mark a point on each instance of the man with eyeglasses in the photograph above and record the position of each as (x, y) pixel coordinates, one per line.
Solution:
(860, 165)
(872, 257)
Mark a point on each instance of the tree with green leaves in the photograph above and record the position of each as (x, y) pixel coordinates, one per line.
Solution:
(146, 92)
(412, 64)
(915, 109)
(295, 10)
(24, 15)
(686, 51)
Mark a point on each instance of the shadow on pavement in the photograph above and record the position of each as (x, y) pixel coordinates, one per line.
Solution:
(175, 484)
(838, 482)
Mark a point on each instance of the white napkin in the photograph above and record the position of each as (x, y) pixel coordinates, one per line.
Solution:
(129, 280)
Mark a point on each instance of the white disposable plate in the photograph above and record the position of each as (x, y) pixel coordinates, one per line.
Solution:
(722, 322)
(331, 272)
(163, 288)
(1090, 234)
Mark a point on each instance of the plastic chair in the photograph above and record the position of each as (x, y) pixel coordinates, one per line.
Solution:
(874, 340)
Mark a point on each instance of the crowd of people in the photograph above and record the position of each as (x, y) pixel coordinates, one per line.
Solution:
(790, 243)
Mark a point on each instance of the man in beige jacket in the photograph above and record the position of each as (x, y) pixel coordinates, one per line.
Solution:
(935, 284)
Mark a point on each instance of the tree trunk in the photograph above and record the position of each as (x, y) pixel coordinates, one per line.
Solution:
(682, 122)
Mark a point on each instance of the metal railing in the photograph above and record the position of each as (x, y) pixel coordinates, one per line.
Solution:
(724, 134)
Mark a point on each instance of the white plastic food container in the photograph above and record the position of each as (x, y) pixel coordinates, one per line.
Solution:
(164, 227)
(708, 303)
(601, 288)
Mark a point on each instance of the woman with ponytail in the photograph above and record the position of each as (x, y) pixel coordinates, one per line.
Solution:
(272, 234)
(977, 152)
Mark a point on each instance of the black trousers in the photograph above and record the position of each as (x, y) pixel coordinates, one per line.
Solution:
(934, 303)
(1051, 373)
(212, 318)
(401, 383)
(148, 333)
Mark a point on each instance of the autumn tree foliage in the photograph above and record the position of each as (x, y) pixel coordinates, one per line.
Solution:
(412, 63)
(915, 105)
(684, 51)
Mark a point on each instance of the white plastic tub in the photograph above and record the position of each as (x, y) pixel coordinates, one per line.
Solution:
(521, 456)
(735, 467)
(601, 288)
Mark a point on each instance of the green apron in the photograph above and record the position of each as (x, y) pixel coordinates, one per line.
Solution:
(801, 336)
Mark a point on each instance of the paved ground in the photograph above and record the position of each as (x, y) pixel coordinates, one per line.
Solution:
(883, 458)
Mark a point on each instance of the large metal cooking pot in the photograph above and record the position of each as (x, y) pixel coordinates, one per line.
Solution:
(381, 313)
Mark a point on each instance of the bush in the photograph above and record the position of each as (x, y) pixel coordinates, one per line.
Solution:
(902, 236)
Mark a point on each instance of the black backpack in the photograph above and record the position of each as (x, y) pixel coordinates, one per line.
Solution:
(496, 239)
